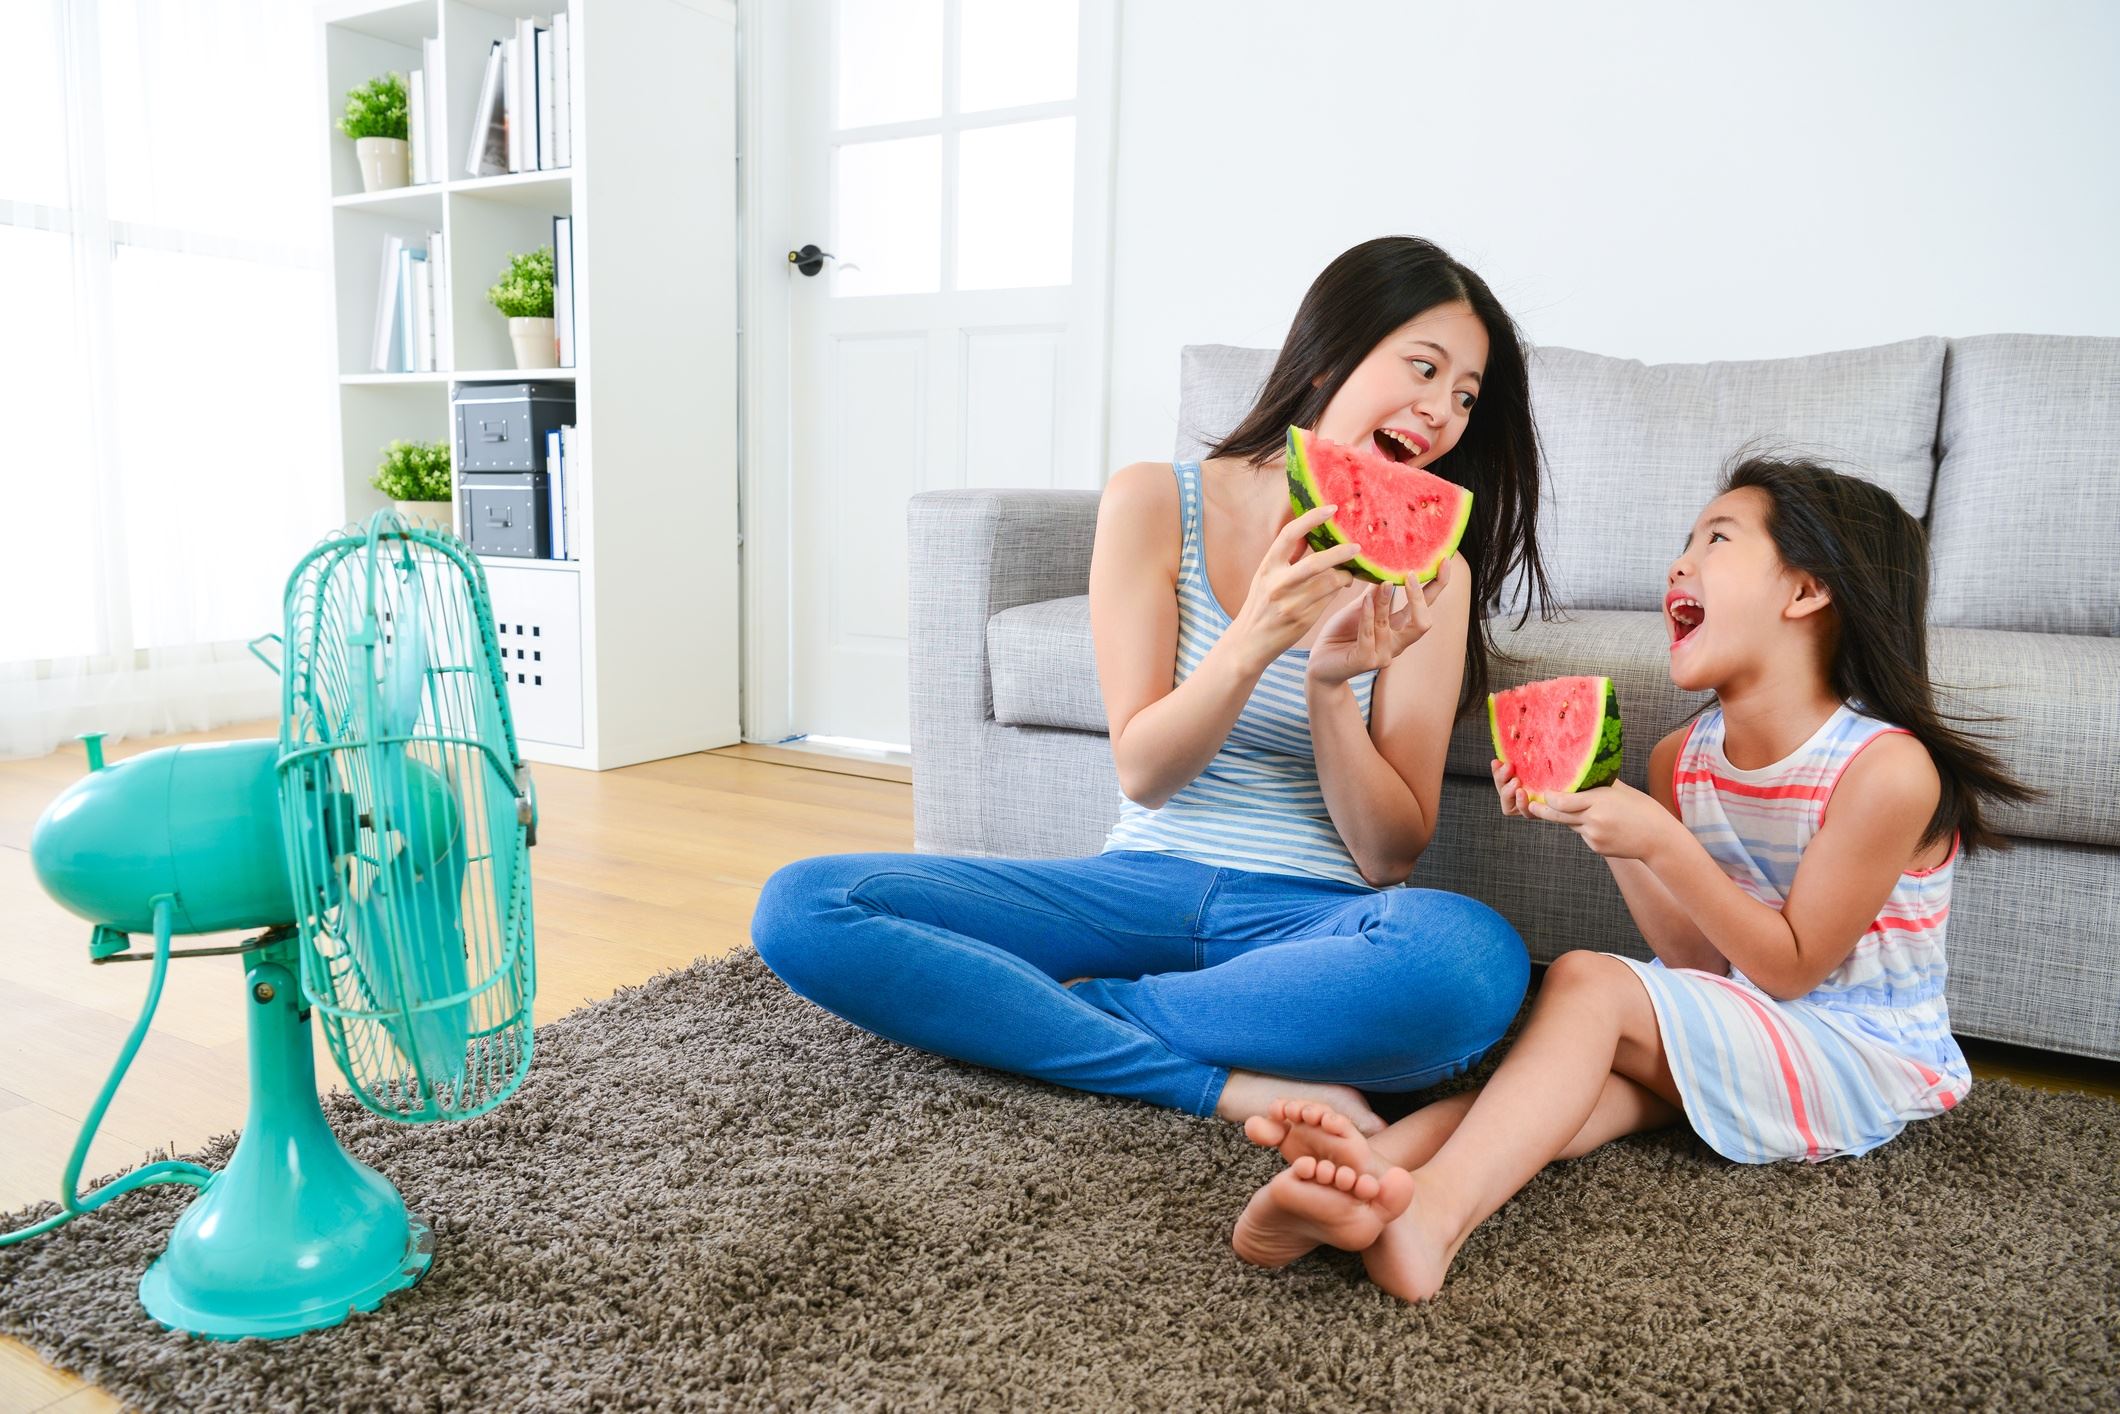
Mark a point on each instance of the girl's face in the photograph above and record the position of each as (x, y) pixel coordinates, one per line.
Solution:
(1411, 396)
(1728, 598)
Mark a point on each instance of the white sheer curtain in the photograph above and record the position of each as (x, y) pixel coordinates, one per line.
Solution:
(166, 442)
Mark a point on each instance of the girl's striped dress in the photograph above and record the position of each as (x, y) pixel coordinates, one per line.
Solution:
(1845, 1067)
(1258, 805)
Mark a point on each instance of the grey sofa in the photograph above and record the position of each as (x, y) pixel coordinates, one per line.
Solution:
(2007, 445)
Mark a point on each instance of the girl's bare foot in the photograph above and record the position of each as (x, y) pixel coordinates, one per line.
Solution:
(1308, 1128)
(1315, 1201)
(1246, 1096)
(1413, 1254)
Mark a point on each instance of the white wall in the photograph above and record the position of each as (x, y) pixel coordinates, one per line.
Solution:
(1663, 181)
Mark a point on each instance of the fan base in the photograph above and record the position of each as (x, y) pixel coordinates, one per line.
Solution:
(165, 1299)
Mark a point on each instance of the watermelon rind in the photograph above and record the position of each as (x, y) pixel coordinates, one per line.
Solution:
(1601, 766)
(1304, 494)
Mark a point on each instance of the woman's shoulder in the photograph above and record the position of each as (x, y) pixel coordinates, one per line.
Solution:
(1142, 486)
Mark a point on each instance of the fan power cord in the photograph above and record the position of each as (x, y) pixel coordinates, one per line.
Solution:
(72, 1203)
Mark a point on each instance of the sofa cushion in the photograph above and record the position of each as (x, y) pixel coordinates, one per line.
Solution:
(1045, 669)
(1632, 451)
(2051, 693)
(2031, 460)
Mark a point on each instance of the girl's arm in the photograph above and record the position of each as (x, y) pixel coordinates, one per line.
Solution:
(1382, 781)
(1874, 823)
(1164, 735)
(1669, 930)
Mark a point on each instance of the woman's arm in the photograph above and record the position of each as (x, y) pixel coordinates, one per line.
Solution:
(1163, 735)
(1382, 781)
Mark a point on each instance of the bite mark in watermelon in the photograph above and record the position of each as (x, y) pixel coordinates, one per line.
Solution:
(1561, 735)
(1407, 521)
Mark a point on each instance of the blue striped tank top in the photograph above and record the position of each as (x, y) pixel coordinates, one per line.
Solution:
(1258, 804)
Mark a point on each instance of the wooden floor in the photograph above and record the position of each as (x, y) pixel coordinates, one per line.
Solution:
(637, 871)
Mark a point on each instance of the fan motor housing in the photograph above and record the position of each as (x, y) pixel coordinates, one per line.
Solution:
(200, 822)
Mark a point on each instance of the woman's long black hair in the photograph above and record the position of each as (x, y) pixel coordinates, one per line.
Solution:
(1360, 299)
(1873, 558)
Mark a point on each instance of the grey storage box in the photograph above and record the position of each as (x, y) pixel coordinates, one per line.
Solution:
(502, 426)
(507, 513)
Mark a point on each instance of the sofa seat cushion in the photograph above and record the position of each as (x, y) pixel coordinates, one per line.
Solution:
(2052, 694)
(2027, 507)
(1044, 667)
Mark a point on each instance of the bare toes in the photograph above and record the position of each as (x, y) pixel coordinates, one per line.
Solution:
(1313, 1113)
(1345, 1179)
(1366, 1188)
(1336, 1123)
(1267, 1133)
(1305, 1167)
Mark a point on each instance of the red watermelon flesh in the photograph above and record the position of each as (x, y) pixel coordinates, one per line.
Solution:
(1561, 735)
(1407, 521)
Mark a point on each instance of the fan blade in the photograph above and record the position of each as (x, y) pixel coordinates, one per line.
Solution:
(405, 674)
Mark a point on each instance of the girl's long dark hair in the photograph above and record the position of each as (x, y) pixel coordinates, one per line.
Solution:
(1873, 558)
(1359, 300)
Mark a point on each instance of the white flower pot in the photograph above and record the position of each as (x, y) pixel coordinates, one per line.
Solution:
(536, 342)
(441, 513)
(386, 162)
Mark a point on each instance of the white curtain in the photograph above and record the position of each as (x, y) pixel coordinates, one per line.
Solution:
(167, 445)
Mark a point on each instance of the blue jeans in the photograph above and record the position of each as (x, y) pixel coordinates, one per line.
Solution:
(1197, 971)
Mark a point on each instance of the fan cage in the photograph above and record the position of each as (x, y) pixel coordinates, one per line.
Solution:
(347, 605)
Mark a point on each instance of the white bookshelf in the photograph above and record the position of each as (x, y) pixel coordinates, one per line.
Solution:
(628, 652)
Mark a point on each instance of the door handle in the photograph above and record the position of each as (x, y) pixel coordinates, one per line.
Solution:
(810, 259)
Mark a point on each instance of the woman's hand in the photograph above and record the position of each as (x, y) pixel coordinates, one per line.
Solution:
(1617, 821)
(1514, 801)
(1290, 589)
(1366, 633)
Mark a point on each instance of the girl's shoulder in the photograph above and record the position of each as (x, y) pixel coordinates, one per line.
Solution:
(1888, 778)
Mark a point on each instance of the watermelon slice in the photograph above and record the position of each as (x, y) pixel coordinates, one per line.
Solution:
(1561, 735)
(1407, 521)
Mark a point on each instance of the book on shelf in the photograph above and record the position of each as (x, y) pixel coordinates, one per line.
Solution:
(382, 356)
(556, 495)
(416, 125)
(408, 352)
(570, 504)
(438, 268)
(436, 128)
(488, 156)
(562, 92)
(547, 130)
(563, 287)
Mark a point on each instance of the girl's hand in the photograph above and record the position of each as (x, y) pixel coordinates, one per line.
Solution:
(1290, 589)
(1617, 821)
(1514, 800)
(1366, 633)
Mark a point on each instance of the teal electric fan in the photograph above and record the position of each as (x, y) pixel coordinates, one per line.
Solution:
(382, 844)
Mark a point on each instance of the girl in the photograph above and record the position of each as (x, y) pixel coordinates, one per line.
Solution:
(1279, 735)
(1792, 873)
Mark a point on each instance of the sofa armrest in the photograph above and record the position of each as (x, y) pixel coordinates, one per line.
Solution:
(971, 555)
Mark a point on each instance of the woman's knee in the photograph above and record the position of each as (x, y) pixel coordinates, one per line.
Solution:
(789, 926)
(1492, 966)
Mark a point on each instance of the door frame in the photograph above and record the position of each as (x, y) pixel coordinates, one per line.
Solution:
(765, 204)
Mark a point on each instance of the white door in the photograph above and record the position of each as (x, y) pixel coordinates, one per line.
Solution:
(954, 157)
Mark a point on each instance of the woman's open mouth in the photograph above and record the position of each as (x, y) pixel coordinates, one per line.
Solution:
(1399, 444)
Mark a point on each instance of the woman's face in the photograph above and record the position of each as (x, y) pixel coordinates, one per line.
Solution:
(1411, 397)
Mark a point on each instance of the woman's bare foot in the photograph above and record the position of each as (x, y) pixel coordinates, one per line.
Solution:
(1247, 1096)
(1413, 1254)
(1309, 1128)
(1315, 1201)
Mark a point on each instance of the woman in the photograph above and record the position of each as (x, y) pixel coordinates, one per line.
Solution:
(1241, 937)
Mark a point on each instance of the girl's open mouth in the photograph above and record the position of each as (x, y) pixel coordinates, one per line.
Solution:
(1399, 446)
(1686, 616)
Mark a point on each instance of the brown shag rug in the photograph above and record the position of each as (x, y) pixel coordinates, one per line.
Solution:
(710, 1195)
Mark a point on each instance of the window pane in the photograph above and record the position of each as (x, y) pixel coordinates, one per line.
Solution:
(890, 61)
(890, 217)
(48, 476)
(229, 475)
(1011, 52)
(1016, 205)
(210, 118)
(32, 109)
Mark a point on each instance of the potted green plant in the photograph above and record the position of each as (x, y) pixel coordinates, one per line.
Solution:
(376, 121)
(524, 294)
(415, 476)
